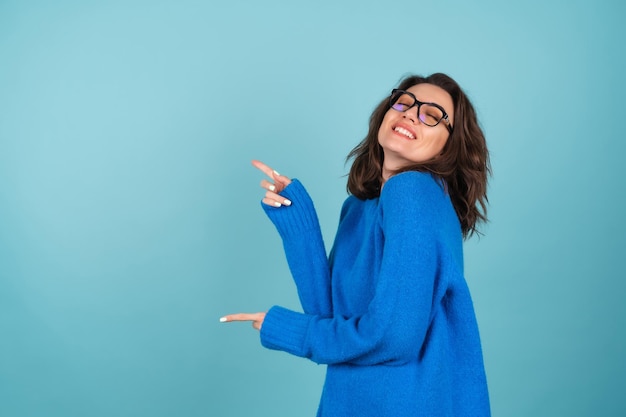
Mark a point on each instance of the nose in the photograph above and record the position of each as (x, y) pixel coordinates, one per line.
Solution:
(411, 114)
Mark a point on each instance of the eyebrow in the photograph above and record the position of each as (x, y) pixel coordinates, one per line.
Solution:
(426, 102)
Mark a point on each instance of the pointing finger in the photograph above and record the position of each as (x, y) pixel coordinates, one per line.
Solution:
(263, 168)
(273, 174)
(241, 317)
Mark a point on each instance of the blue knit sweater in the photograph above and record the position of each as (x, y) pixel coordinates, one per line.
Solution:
(389, 310)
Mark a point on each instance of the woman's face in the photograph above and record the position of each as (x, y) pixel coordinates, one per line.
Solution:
(405, 139)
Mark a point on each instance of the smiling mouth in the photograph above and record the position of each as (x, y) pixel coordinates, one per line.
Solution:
(404, 132)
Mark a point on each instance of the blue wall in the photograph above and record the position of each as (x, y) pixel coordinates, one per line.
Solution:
(130, 218)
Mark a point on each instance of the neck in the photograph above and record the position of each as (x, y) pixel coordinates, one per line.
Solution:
(388, 169)
(386, 173)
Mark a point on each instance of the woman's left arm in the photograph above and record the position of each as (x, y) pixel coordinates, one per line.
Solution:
(291, 209)
(395, 324)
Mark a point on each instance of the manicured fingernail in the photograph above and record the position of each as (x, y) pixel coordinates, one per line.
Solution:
(272, 188)
(277, 204)
(223, 319)
(287, 202)
(276, 173)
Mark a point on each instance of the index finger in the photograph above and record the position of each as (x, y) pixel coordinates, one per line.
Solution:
(278, 178)
(240, 317)
(263, 168)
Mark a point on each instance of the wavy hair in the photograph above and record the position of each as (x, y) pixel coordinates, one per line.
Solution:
(463, 163)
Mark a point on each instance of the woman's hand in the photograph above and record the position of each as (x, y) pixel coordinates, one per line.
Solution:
(274, 187)
(255, 318)
(272, 198)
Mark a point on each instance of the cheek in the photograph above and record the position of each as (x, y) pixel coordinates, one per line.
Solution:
(436, 144)
(380, 130)
(384, 126)
(442, 143)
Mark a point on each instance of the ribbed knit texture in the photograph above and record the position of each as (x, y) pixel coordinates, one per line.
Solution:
(395, 324)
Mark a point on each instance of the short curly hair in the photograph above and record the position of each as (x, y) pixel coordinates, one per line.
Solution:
(463, 164)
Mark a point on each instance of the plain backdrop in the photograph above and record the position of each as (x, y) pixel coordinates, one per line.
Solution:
(130, 218)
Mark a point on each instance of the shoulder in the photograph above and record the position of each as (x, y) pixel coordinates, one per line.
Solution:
(351, 204)
(416, 197)
(413, 186)
(418, 203)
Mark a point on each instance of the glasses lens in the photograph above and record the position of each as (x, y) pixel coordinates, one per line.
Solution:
(430, 115)
(401, 101)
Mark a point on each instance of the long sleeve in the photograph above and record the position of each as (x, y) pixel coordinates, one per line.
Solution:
(300, 231)
(394, 325)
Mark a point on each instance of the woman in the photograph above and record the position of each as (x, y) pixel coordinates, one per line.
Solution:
(395, 324)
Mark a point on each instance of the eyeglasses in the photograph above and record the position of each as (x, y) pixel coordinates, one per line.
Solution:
(431, 114)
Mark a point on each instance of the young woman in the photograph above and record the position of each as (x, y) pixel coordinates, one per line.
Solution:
(389, 310)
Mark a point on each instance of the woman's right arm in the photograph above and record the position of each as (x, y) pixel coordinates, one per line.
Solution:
(299, 228)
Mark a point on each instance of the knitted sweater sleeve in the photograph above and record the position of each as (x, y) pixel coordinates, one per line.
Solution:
(395, 324)
(300, 231)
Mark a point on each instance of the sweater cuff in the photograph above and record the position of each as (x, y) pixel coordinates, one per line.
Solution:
(285, 330)
(297, 218)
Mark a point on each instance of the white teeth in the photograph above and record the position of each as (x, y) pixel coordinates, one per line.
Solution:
(404, 132)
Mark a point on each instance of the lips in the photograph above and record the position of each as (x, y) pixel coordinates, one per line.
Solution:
(404, 131)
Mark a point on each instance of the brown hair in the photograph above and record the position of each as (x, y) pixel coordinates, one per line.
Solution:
(463, 164)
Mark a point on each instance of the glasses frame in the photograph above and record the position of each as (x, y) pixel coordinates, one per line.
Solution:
(396, 92)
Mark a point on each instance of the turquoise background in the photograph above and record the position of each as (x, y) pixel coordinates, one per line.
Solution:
(130, 218)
